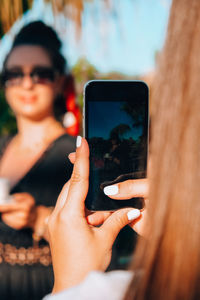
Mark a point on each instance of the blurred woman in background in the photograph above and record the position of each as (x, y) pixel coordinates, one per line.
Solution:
(34, 160)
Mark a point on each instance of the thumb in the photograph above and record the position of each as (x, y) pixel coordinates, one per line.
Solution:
(62, 197)
(117, 221)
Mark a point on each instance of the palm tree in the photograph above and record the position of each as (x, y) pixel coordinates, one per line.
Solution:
(10, 10)
(119, 130)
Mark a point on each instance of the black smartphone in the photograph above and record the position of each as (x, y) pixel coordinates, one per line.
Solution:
(115, 125)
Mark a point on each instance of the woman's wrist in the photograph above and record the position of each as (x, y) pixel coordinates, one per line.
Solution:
(40, 225)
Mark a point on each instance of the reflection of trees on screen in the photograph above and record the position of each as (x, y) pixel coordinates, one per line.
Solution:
(119, 131)
(98, 146)
(130, 153)
(136, 110)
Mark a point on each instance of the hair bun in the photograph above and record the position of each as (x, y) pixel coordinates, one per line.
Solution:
(38, 33)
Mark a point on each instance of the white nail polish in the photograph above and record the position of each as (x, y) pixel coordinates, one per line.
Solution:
(78, 141)
(111, 190)
(133, 214)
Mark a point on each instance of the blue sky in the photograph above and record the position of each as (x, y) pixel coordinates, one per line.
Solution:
(97, 116)
(123, 38)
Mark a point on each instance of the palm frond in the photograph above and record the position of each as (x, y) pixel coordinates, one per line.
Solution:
(10, 10)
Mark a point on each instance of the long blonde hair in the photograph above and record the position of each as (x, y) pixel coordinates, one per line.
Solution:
(167, 266)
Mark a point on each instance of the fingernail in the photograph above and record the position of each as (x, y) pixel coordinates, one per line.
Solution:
(133, 214)
(71, 153)
(78, 141)
(111, 190)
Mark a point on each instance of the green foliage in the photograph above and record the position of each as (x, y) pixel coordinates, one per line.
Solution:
(26, 5)
(1, 30)
(7, 119)
(83, 71)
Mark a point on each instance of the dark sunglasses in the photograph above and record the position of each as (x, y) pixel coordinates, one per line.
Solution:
(40, 75)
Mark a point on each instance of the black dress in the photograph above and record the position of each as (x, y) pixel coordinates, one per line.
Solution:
(25, 269)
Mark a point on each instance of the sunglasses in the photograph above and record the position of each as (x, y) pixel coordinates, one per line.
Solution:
(39, 75)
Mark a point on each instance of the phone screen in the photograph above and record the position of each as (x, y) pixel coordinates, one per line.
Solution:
(116, 126)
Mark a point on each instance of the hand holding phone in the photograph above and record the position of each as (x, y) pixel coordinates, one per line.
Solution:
(77, 247)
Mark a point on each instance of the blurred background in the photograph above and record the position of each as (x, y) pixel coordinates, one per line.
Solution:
(102, 39)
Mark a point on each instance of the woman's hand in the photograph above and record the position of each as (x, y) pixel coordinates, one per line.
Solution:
(19, 213)
(40, 224)
(127, 190)
(76, 246)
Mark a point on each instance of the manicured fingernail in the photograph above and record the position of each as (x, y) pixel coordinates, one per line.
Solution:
(71, 153)
(133, 214)
(78, 141)
(111, 190)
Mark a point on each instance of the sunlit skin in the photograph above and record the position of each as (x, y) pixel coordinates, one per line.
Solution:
(32, 105)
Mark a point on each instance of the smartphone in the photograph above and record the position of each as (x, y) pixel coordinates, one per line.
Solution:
(115, 123)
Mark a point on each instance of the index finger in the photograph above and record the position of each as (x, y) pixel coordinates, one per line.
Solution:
(128, 189)
(79, 181)
(8, 207)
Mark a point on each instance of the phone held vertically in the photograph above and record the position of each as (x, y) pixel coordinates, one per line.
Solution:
(116, 121)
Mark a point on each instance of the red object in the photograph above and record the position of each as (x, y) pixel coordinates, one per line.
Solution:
(71, 106)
